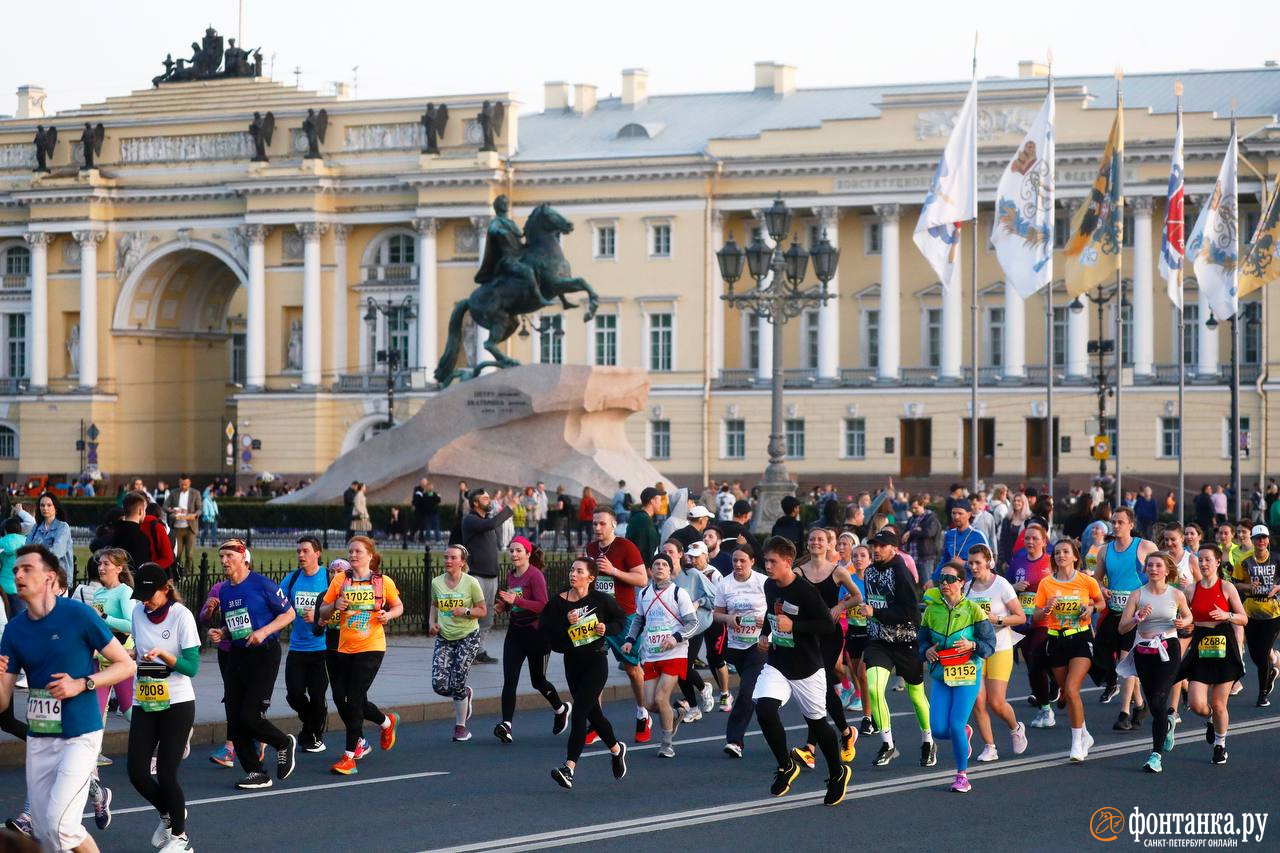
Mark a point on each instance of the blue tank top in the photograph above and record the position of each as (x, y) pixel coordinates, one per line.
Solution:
(1124, 573)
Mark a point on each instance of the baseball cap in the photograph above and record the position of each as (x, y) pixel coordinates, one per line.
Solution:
(885, 536)
(647, 494)
(742, 507)
(1259, 530)
(699, 511)
(697, 549)
(149, 579)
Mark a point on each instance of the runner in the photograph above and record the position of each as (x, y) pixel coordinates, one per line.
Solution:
(457, 603)
(1157, 610)
(306, 676)
(1258, 584)
(168, 653)
(524, 594)
(665, 617)
(855, 640)
(1170, 538)
(254, 611)
(696, 693)
(1119, 573)
(797, 621)
(113, 603)
(712, 634)
(367, 600)
(576, 622)
(53, 641)
(892, 607)
(1065, 604)
(740, 607)
(955, 638)
(620, 572)
(998, 600)
(1214, 664)
(1027, 568)
(333, 664)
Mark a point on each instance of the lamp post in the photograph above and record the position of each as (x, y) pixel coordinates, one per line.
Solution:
(390, 356)
(777, 302)
(1101, 346)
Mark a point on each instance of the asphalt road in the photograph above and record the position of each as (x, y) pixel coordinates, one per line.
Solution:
(434, 795)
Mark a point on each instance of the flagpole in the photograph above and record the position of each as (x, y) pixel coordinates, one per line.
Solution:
(1119, 167)
(1182, 348)
(1235, 350)
(973, 302)
(1052, 440)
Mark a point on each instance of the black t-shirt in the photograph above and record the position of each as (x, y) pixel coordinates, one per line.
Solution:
(796, 654)
(894, 597)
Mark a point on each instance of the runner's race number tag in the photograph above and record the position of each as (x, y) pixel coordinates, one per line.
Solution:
(605, 585)
(304, 601)
(360, 597)
(44, 713)
(653, 642)
(1116, 600)
(1067, 609)
(584, 632)
(238, 623)
(1213, 647)
(748, 627)
(781, 639)
(960, 674)
(446, 605)
(1028, 601)
(152, 694)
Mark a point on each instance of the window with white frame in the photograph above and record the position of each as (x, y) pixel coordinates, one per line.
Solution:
(1126, 350)
(661, 342)
(1109, 430)
(753, 341)
(660, 240)
(1170, 438)
(8, 442)
(17, 261)
(1060, 321)
(401, 249)
(1190, 333)
(239, 362)
(1245, 438)
(399, 334)
(871, 337)
(1061, 230)
(1251, 333)
(605, 340)
(15, 346)
(809, 329)
(855, 438)
(933, 337)
(551, 340)
(605, 242)
(1127, 239)
(660, 439)
(994, 346)
(793, 430)
(872, 238)
(735, 438)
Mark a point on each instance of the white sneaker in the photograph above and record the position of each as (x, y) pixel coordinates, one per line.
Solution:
(22, 682)
(178, 845)
(989, 753)
(692, 716)
(1044, 719)
(162, 835)
(1019, 738)
(1088, 742)
(708, 698)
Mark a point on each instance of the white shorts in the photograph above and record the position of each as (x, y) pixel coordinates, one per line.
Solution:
(810, 693)
(58, 774)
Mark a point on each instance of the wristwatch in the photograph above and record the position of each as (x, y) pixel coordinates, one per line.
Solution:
(88, 683)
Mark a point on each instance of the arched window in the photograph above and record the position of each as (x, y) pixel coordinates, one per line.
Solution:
(8, 442)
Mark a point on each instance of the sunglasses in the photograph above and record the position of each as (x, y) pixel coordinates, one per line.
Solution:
(949, 579)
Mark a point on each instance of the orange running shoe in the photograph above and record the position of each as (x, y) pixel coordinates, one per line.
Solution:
(346, 766)
(389, 733)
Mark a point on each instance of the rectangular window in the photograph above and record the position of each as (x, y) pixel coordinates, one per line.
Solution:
(873, 238)
(871, 320)
(8, 443)
(16, 346)
(1251, 333)
(855, 438)
(1109, 430)
(17, 261)
(994, 345)
(815, 236)
(551, 340)
(810, 328)
(1190, 333)
(753, 341)
(606, 242)
(1061, 229)
(1060, 315)
(400, 249)
(398, 333)
(661, 342)
(659, 439)
(660, 241)
(933, 337)
(1127, 333)
(1170, 438)
(735, 439)
(606, 340)
(1127, 240)
(1248, 225)
(239, 364)
(1245, 438)
(794, 431)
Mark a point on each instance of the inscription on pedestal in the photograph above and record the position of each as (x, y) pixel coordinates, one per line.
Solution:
(501, 401)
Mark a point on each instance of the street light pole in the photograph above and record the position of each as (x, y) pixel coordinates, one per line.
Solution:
(391, 356)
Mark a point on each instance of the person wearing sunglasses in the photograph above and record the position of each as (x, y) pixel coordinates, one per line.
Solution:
(955, 638)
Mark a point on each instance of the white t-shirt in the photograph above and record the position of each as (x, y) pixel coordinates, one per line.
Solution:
(1184, 569)
(746, 599)
(175, 633)
(993, 600)
(664, 613)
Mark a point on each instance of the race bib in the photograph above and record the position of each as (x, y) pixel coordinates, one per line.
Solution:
(1067, 609)
(238, 623)
(304, 601)
(876, 602)
(960, 674)
(748, 628)
(584, 632)
(517, 591)
(1116, 600)
(605, 584)
(1028, 601)
(781, 639)
(1213, 647)
(984, 603)
(446, 605)
(44, 713)
(653, 642)
(359, 597)
(152, 694)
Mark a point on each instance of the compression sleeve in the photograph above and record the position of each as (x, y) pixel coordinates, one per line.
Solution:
(188, 662)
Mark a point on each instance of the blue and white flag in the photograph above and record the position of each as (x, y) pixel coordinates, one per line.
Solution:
(1214, 246)
(1171, 243)
(1022, 232)
(953, 195)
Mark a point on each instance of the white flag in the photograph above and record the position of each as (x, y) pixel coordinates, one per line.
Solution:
(1171, 243)
(1213, 246)
(1022, 232)
(953, 194)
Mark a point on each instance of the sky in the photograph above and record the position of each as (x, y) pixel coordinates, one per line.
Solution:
(392, 48)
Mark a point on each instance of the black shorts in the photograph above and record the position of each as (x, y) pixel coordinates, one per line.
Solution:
(1060, 650)
(1109, 639)
(1205, 666)
(855, 644)
(899, 658)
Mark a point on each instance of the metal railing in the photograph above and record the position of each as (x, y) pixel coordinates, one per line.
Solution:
(370, 382)
(389, 272)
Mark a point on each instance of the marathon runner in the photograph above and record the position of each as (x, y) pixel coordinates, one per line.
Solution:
(333, 664)
(1119, 574)
(1213, 664)
(1259, 585)
(665, 618)
(1029, 566)
(576, 623)
(697, 561)
(855, 641)
(306, 675)
(457, 603)
(1000, 603)
(695, 692)
(740, 606)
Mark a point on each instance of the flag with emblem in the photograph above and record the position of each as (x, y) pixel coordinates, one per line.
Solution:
(1261, 263)
(1097, 229)
(1022, 231)
(1171, 243)
(1214, 244)
(953, 195)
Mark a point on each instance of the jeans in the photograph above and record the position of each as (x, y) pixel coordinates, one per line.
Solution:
(306, 679)
(209, 527)
(250, 676)
(163, 734)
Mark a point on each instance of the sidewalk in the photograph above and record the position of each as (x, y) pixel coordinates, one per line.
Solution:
(403, 685)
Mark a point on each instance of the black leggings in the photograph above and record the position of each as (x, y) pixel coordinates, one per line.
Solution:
(162, 734)
(1260, 637)
(250, 677)
(224, 667)
(586, 673)
(1033, 652)
(306, 679)
(356, 672)
(524, 643)
(1157, 677)
(11, 725)
(775, 735)
(832, 645)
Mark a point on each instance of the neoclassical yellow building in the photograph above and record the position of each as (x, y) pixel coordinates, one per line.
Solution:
(180, 286)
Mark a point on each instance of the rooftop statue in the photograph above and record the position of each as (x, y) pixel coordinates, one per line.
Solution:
(46, 139)
(491, 118)
(433, 122)
(314, 126)
(209, 60)
(91, 141)
(261, 129)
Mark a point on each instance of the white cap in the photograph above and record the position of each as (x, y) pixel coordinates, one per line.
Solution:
(699, 511)
(1259, 530)
(697, 549)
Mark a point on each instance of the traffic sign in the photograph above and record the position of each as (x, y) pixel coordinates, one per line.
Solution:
(246, 441)
(93, 432)
(1101, 447)
(230, 431)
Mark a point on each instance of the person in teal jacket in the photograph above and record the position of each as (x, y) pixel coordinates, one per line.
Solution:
(114, 602)
(955, 638)
(10, 542)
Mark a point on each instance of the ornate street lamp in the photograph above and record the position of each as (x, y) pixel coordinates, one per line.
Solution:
(390, 356)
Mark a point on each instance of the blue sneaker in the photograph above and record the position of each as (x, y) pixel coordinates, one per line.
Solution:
(224, 757)
(101, 796)
(1153, 764)
(1168, 738)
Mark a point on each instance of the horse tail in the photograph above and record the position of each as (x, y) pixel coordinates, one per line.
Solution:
(452, 348)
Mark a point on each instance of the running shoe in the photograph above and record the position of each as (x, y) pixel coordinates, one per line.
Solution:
(313, 744)
(1137, 716)
(460, 734)
(388, 737)
(561, 721)
(848, 748)
(898, 684)
(666, 751)
(104, 761)
(1263, 701)
(1219, 753)
(1108, 693)
(1088, 743)
(592, 737)
(846, 698)
(1019, 738)
(362, 748)
(1237, 688)
(224, 757)
(690, 716)
(177, 844)
(989, 753)
(287, 758)
(152, 771)
(887, 753)
(1123, 723)
(726, 703)
(101, 796)
(1208, 732)
(708, 698)
(1175, 717)
(161, 836)
(619, 761)
(802, 756)
(262, 753)
(22, 824)
(644, 729)
(837, 786)
(968, 736)
(1044, 719)
(485, 657)
(868, 727)
(961, 784)
(346, 766)
(1153, 764)
(1271, 682)
(563, 776)
(254, 780)
(783, 778)
(22, 685)
(733, 750)
(928, 753)
(1168, 738)
(856, 705)
(502, 732)
(471, 705)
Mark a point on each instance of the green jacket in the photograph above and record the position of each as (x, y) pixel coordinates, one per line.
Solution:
(943, 626)
(643, 533)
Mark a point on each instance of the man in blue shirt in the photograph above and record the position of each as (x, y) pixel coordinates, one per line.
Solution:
(54, 640)
(306, 677)
(254, 611)
(958, 539)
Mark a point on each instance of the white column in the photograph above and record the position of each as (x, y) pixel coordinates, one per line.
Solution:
(312, 299)
(338, 320)
(1015, 333)
(481, 224)
(890, 294)
(717, 287)
(255, 345)
(428, 298)
(952, 324)
(38, 333)
(1143, 293)
(89, 241)
(764, 349)
(829, 314)
(1077, 322)
(1208, 365)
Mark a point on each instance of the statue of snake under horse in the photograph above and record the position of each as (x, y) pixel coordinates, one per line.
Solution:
(499, 304)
